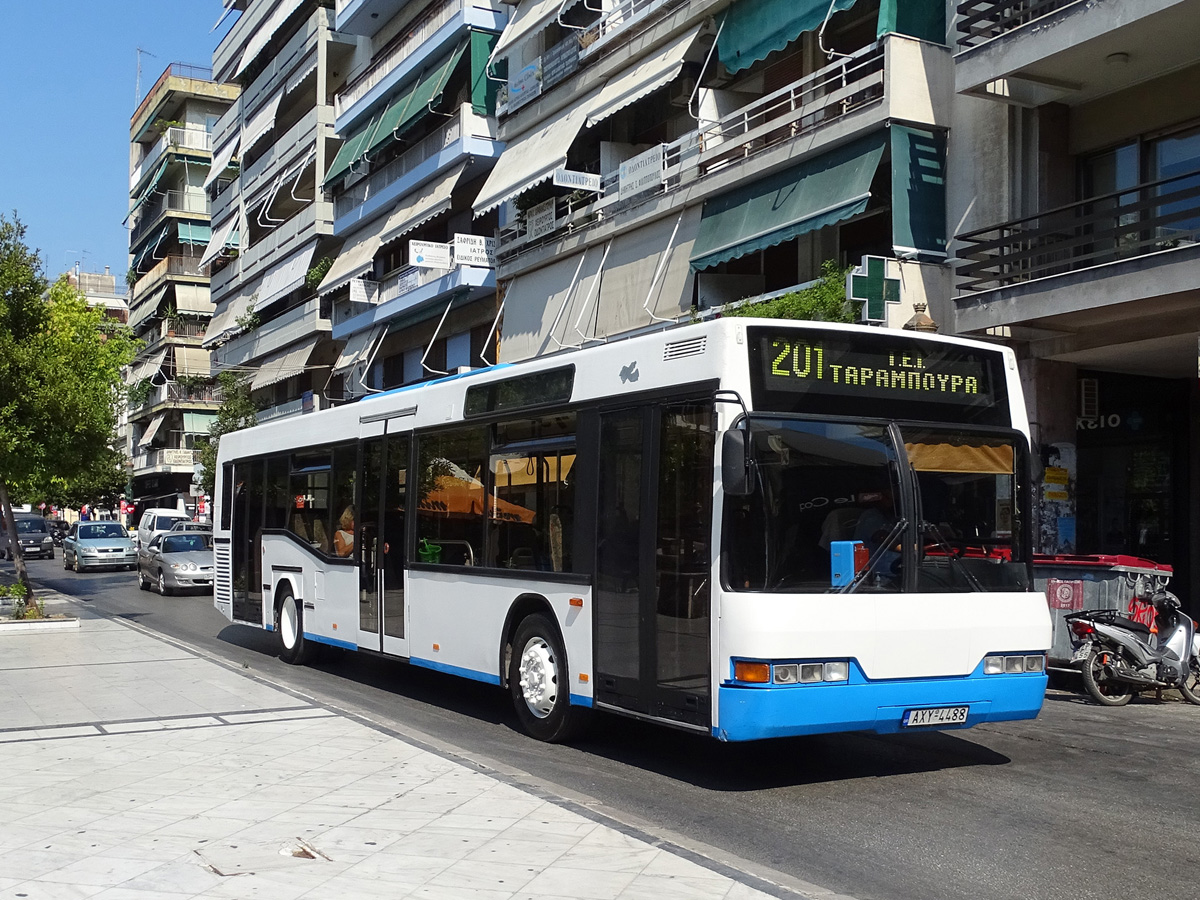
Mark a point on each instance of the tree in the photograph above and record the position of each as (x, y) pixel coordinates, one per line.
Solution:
(237, 411)
(824, 301)
(60, 379)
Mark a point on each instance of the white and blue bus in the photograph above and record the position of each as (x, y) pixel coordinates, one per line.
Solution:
(743, 527)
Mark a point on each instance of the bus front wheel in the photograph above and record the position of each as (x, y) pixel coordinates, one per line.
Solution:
(539, 681)
(289, 625)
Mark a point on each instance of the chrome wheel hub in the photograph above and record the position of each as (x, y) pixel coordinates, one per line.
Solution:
(539, 677)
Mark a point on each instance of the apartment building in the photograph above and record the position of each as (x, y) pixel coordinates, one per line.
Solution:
(99, 289)
(1074, 198)
(413, 286)
(272, 224)
(171, 398)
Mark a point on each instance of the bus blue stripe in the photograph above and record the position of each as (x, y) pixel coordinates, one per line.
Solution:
(332, 642)
(580, 700)
(455, 670)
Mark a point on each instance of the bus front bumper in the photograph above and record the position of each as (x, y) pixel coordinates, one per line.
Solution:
(750, 713)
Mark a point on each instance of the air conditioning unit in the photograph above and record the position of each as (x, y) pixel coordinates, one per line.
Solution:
(681, 90)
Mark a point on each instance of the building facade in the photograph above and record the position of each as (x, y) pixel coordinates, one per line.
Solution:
(413, 285)
(1074, 193)
(272, 232)
(171, 398)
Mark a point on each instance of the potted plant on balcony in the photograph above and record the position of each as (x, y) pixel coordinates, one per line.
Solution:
(173, 319)
(139, 393)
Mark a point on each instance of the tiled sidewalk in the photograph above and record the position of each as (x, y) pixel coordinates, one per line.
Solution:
(137, 770)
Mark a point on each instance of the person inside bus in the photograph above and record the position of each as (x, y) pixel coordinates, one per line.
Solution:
(343, 538)
(875, 524)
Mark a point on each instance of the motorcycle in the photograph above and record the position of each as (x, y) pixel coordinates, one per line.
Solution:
(1118, 657)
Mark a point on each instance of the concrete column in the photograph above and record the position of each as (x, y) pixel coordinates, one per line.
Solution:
(1050, 396)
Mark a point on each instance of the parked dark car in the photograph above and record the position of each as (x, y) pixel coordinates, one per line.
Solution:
(34, 535)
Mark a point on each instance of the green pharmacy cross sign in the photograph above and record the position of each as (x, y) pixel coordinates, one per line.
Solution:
(869, 283)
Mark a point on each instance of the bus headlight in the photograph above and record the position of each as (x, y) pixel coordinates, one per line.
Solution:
(810, 672)
(837, 671)
(1014, 665)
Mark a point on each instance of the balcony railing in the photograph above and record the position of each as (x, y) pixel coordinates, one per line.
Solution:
(175, 394)
(171, 201)
(1155, 216)
(175, 138)
(812, 102)
(166, 457)
(165, 268)
(621, 16)
(310, 317)
(401, 48)
(291, 408)
(982, 20)
(179, 70)
(380, 179)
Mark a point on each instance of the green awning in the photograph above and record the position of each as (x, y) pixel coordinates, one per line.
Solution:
(148, 191)
(150, 246)
(751, 29)
(924, 19)
(197, 422)
(483, 89)
(918, 191)
(351, 151)
(194, 233)
(798, 200)
(414, 101)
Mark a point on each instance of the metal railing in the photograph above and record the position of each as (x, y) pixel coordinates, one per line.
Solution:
(982, 20)
(179, 138)
(170, 265)
(810, 103)
(170, 201)
(400, 49)
(406, 280)
(1148, 218)
(618, 18)
(380, 179)
(180, 70)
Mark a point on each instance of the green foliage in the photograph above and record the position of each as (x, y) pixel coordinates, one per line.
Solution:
(824, 301)
(131, 277)
(171, 316)
(237, 411)
(60, 373)
(102, 484)
(193, 383)
(138, 394)
(318, 272)
(249, 320)
(23, 607)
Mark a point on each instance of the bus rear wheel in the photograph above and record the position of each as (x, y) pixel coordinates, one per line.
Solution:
(539, 682)
(289, 625)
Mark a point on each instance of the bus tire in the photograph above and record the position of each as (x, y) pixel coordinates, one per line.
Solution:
(289, 625)
(539, 682)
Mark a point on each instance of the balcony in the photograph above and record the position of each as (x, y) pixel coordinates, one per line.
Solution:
(173, 394)
(274, 246)
(466, 134)
(422, 40)
(895, 78)
(1031, 52)
(288, 147)
(410, 288)
(174, 71)
(291, 408)
(281, 332)
(168, 267)
(175, 139)
(187, 202)
(188, 333)
(621, 16)
(168, 459)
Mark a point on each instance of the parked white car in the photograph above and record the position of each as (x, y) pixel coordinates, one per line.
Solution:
(157, 521)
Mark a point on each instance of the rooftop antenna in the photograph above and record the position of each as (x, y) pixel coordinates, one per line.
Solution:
(81, 258)
(138, 89)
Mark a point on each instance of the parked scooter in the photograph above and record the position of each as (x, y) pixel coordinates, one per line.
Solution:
(1119, 657)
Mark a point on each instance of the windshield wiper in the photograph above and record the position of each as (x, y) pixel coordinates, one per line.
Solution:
(878, 555)
(955, 562)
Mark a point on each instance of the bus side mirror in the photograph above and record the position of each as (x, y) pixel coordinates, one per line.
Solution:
(735, 465)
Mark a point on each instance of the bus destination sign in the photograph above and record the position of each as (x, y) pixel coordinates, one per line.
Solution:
(876, 367)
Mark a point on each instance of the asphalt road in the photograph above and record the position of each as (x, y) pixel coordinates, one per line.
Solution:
(1085, 802)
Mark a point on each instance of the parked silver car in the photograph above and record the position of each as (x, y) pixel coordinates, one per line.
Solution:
(175, 561)
(98, 545)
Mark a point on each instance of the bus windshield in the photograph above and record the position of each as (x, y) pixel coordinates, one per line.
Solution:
(952, 493)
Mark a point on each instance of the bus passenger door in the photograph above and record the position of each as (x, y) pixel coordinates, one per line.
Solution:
(379, 548)
(366, 544)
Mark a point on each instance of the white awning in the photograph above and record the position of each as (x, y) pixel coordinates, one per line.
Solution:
(261, 122)
(192, 361)
(222, 158)
(533, 157)
(146, 308)
(224, 320)
(356, 257)
(356, 345)
(148, 368)
(285, 277)
(531, 17)
(193, 298)
(306, 68)
(431, 199)
(152, 430)
(265, 32)
(218, 241)
(283, 365)
(542, 308)
(649, 75)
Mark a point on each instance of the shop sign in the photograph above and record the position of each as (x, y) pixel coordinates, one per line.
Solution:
(428, 255)
(539, 220)
(560, 61)
(641, 173)
(582, 181)
(171, 457)
(525, 85)
(474, 250)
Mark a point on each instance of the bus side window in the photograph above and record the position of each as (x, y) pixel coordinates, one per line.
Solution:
(451, 496)
(531, 509)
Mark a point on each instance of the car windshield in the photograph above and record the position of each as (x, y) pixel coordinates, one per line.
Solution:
(31, 526)
(102, 530)
(184, 543)
(164, 523)
(942, 503)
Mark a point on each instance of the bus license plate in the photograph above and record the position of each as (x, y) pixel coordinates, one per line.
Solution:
(942, 715)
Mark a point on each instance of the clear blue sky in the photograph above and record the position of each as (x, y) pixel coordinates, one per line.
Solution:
(68, 81)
